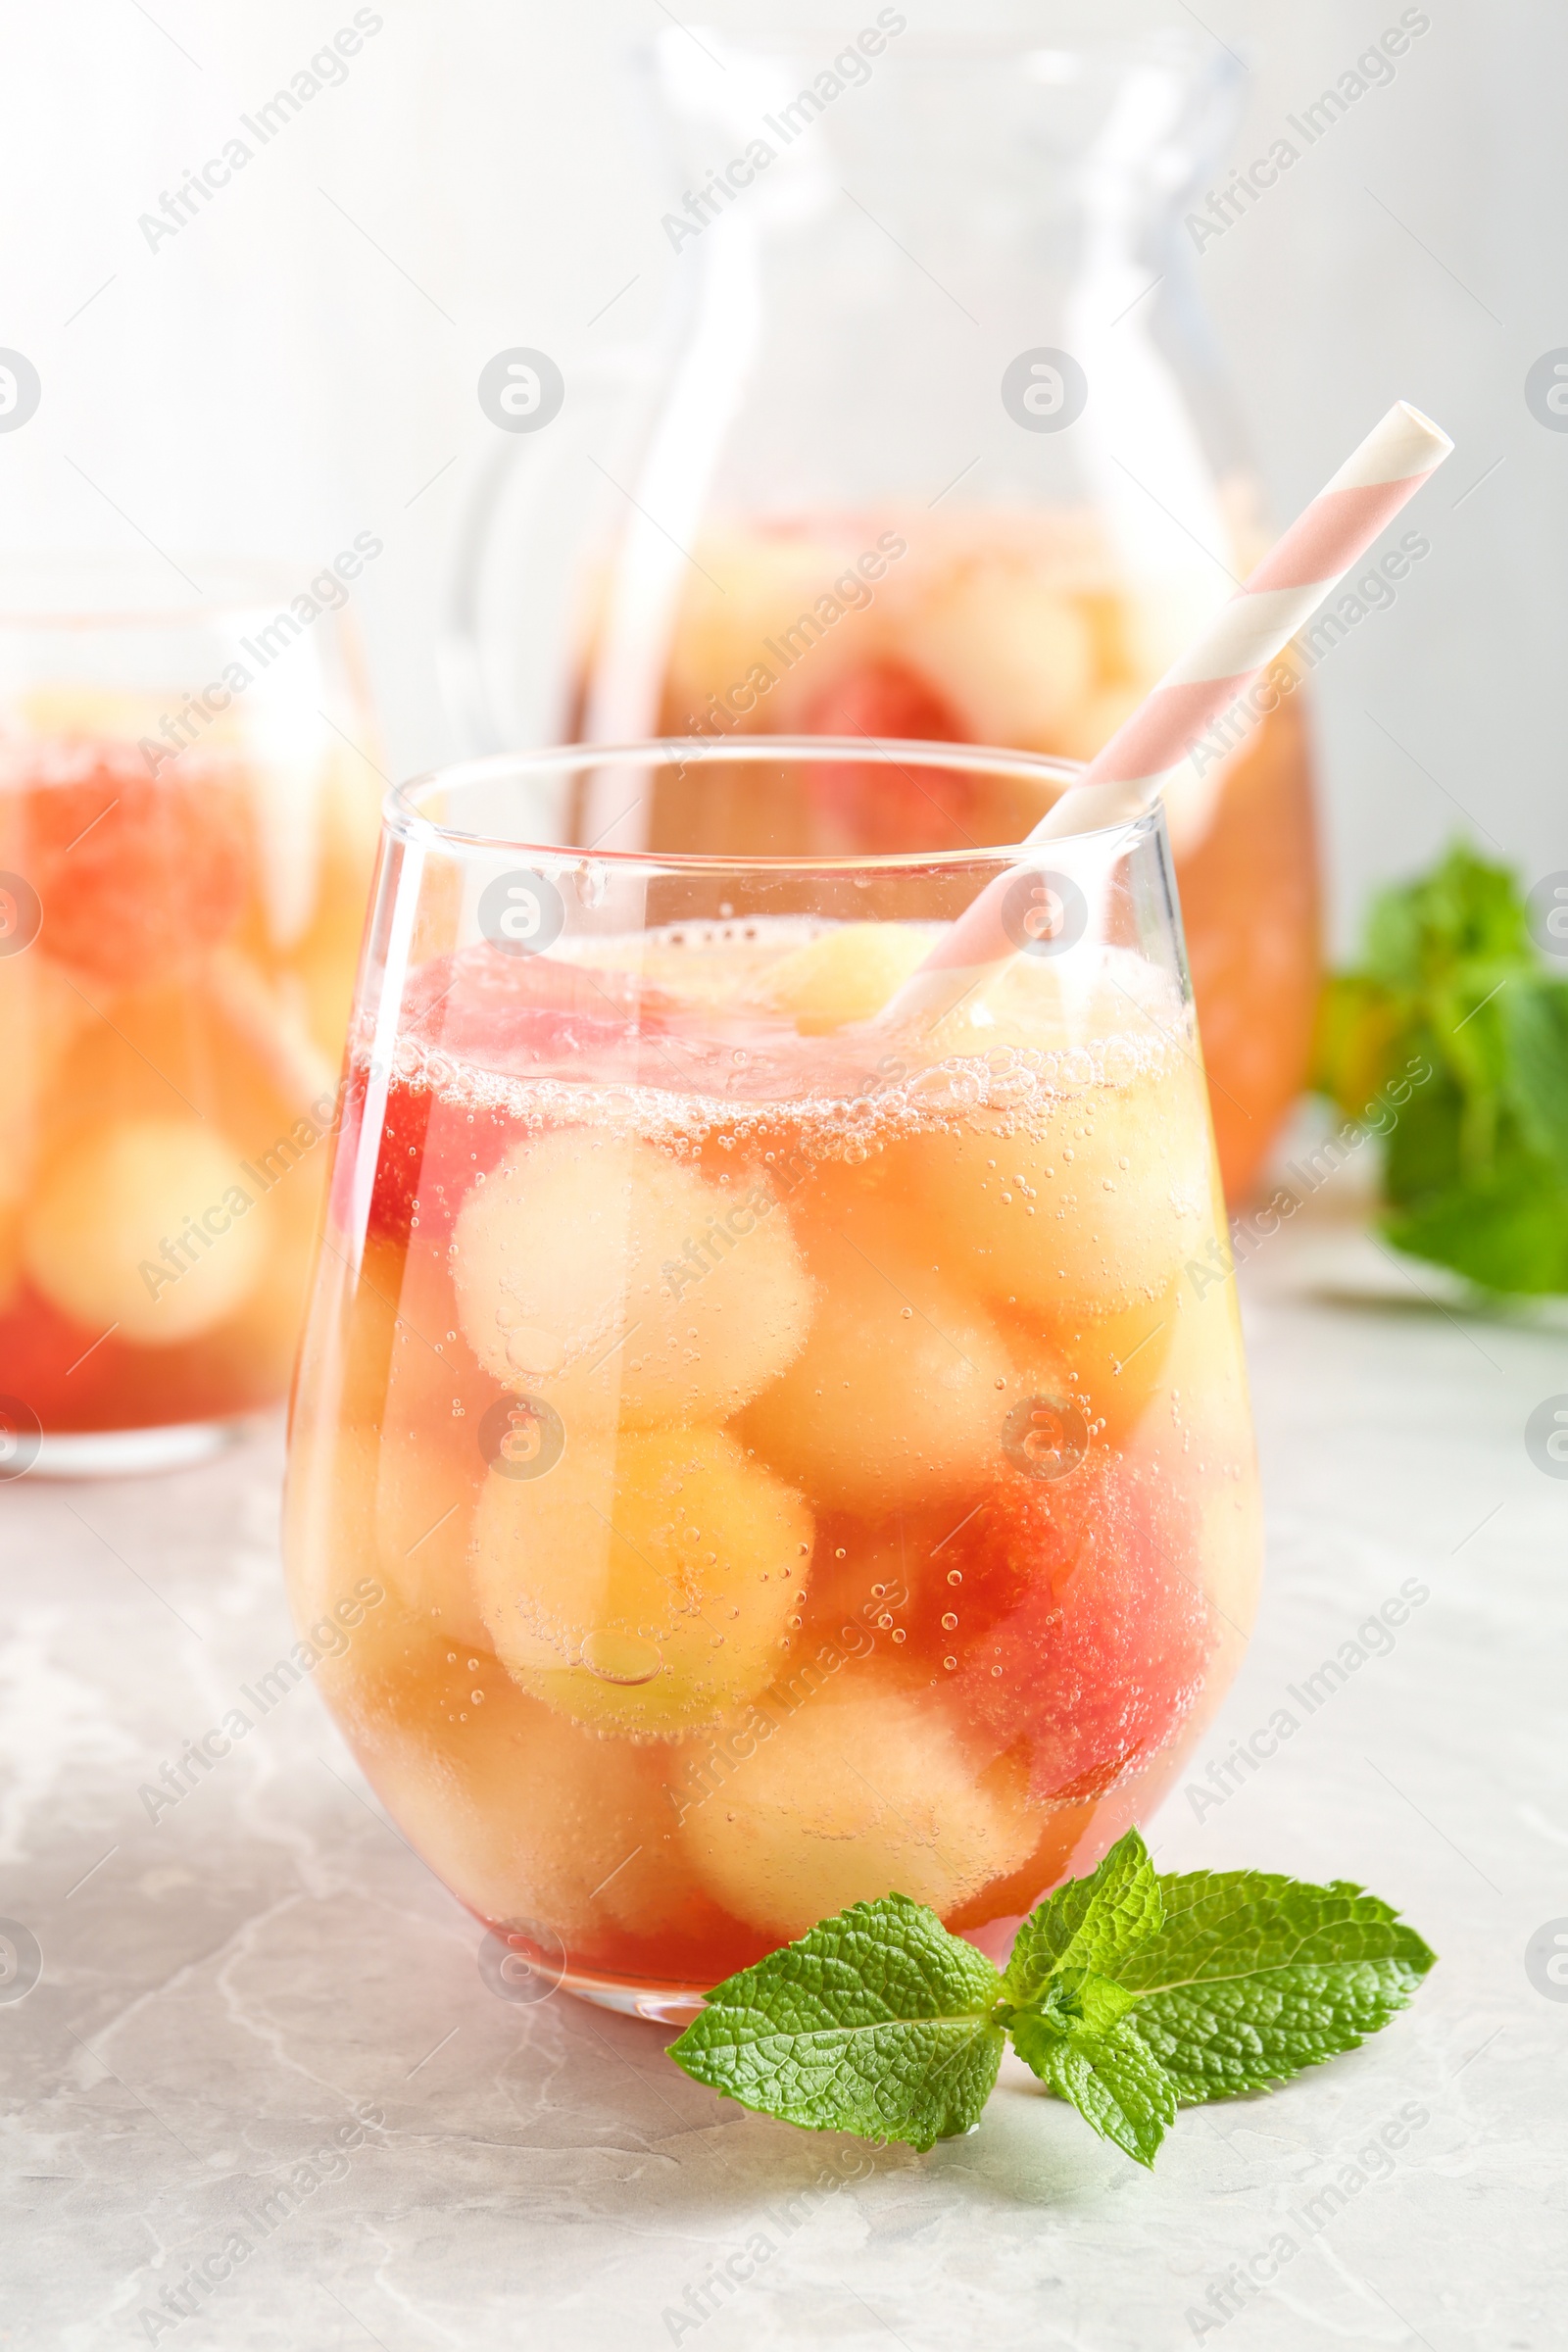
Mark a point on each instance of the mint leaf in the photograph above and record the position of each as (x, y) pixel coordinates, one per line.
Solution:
(1464, 911)
(1253, 1977)
(1114, 2080)
(1506, 1231)
(1067, 2024)
(1354, 1050)
(877, 2022)
(1474, 1168)
(1087, 1923)
(1078, 1994)
(1535, 1023)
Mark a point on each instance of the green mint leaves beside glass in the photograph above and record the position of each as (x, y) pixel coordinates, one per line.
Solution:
(1476, 1167)
(1130, 1993)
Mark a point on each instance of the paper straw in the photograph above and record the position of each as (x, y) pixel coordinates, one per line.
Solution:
(1127, 777)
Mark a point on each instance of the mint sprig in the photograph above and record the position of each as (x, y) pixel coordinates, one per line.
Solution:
(1129, 1992)
(1451, 1038)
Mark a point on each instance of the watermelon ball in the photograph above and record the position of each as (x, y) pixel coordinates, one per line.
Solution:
(136, 873)
(471, 1020)
(523, 1014)
(432, 1148)
(1072, 1611)
(881, 811)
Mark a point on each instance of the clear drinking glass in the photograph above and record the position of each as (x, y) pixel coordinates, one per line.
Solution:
(935, 442)
(754, 1449)
(188, 832)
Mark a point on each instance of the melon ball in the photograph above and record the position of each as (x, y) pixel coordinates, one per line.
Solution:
(398, 1507)
(1114, 1364)
(769, 580)
(1204, 1373)
(1202, 1435)
(364, 1309)
(94, 1239)
(426, 1495)
(526, 1818)
(1012, 656)
(617, 1282)
(432, 1381)
(1102, 608)
(845, 974)
(256, 1349)
(1090, 1206)
(1085, 998)
(854, 1796)
(329, 1518)
(644, 1585)
(900, 1393)
(996, 1013)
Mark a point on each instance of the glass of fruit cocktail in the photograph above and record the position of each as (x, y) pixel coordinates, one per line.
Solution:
(764, 1437)
(186, 837)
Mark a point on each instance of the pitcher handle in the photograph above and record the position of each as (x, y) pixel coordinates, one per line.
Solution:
(511, 481)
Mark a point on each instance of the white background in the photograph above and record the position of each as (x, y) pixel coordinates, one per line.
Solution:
(300, 361)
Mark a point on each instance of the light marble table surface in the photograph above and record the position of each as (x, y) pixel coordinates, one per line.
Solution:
(268, 1971)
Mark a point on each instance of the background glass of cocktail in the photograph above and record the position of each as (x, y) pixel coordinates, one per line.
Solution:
(750, 1453)
(936, 444)
(187, 830)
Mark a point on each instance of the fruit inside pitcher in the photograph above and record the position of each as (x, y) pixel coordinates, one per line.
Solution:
(735, 1472)
(1024, 627)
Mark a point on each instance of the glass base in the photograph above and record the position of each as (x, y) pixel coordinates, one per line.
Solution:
(659, 2004)
(132, 1452)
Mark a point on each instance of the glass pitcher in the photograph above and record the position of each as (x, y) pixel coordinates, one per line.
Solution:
(934, 445)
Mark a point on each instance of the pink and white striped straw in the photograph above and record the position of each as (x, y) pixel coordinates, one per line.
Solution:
(1127, 777)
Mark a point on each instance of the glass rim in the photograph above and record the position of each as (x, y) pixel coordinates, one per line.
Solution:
(34, 588)
(403, 821)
